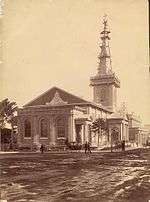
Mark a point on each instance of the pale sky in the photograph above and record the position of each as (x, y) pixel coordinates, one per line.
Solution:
(48, 43)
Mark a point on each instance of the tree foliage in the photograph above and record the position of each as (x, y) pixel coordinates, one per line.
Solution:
(99, 124)
(7, 111)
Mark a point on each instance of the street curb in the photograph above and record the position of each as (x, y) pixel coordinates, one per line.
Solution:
(79, 151)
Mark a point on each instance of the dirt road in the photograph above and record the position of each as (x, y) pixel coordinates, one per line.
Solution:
(70, 177)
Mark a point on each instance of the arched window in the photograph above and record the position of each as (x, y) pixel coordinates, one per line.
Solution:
(44, 128)
(27, 126)
(115, 134)
(60, 127)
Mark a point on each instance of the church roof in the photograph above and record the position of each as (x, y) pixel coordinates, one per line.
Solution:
(117, 115)
(55, 93)
(58, 97)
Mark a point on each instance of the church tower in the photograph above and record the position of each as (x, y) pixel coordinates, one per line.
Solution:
(105, 83)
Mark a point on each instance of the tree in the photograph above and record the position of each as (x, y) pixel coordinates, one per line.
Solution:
(99, 126)
(7, 112)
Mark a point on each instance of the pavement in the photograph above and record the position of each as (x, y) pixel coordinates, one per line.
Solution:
(128, 149)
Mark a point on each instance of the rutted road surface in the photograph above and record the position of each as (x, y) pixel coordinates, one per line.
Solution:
(76, 177)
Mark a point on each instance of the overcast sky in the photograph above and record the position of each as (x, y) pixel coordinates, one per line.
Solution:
(50, 43)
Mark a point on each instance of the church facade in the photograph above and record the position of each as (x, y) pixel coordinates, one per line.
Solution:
(57, 116)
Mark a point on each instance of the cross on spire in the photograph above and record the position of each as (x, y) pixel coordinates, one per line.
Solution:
(105, 19)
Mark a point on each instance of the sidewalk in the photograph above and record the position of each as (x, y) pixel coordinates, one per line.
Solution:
(127, 150)
(9, 152)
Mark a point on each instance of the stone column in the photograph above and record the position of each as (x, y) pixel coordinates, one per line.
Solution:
(82, 134)
(32, 133)
(127, 131)
(110, 137)
(20, 131)
(71, 129)
(86, 132)
(49, 130)
(53, 132)
(35, 132)
(121, 131)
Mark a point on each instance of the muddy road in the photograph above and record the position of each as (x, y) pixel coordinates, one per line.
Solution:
(69, 177)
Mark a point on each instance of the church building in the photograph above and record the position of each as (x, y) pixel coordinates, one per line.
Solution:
(57, 115)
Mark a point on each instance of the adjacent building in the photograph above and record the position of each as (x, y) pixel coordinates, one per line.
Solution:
(138, 135)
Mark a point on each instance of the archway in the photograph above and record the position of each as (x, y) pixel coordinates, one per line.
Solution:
(43, 128)
(61, 130)
(27, 126)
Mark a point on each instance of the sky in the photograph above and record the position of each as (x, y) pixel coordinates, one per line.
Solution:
(48, 43)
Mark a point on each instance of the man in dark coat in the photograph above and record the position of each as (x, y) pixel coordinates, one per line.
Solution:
(42, 148)
(89, 149)
(86, 146)
(123, 145)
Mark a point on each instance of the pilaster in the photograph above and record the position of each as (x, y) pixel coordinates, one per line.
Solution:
(53, 132)
(35, 132)
(71, 128)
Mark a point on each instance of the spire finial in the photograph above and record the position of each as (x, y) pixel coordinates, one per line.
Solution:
(105, 18)
(105, 22)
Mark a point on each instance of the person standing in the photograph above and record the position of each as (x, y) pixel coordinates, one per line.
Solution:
(123, 145)
(86, 146)
(42, 148)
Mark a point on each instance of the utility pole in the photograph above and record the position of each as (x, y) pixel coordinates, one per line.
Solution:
(0, 140)
(111, 141)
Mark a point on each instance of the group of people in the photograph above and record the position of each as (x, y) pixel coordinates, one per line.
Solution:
(86, 146)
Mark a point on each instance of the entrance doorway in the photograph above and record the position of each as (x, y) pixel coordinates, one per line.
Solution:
(61, 130)
(78, 128)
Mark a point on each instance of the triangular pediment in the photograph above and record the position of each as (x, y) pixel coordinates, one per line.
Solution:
(55, 96)
(57, 100)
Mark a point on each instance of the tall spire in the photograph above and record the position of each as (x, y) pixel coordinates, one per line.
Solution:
(105, 83)
(104, 66)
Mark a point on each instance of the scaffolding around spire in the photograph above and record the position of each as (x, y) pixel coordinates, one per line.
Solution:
(105, 83)
(104, 57)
